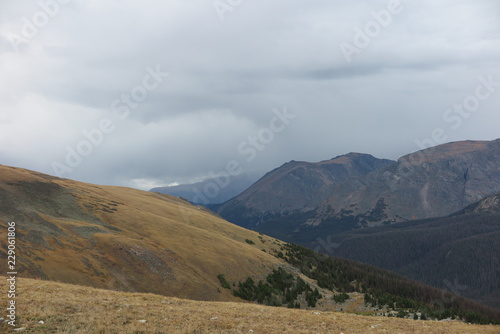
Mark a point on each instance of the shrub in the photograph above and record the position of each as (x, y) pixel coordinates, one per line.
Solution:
(341, 298)
(223, 281)
(402, 314)
(280, 288)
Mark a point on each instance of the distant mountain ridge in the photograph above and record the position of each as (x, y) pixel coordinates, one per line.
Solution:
(212, 190)
(429, 183)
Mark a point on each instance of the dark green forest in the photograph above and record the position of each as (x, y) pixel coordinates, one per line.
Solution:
(459, 253)
(381, 288)
(386, 288)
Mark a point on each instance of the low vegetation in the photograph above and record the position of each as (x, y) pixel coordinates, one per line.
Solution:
(223, 281)
(383, 289)
(51, 307)
(279, 289)
(341, 297)
(392, 295)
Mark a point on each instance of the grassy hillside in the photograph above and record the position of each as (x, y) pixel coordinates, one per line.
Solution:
(125, 239)
(65, 308)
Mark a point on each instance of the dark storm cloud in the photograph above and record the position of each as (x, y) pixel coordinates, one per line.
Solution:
(226, 77)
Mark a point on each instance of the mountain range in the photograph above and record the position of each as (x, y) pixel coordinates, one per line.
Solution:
(299, 201)
(432, 215)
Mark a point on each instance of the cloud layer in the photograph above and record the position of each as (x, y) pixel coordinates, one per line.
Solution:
(65, 64)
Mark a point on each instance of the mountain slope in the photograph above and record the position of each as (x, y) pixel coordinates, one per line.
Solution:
(429, 183)
(459, 253)
(124, 239)
(295, 188)
(490, 205)
(215, 190)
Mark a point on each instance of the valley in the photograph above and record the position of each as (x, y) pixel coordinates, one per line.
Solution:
(430, 216)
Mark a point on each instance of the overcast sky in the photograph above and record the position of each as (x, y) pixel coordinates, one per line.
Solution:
(177, 89)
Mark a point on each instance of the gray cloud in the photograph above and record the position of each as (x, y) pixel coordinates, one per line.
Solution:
(226, 77)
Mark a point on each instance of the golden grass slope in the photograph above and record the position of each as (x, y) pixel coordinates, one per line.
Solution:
(125, 239)
(66, 308)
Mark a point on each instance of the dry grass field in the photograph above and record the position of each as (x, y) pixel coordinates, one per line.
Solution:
(125, 239)
(66, 308)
